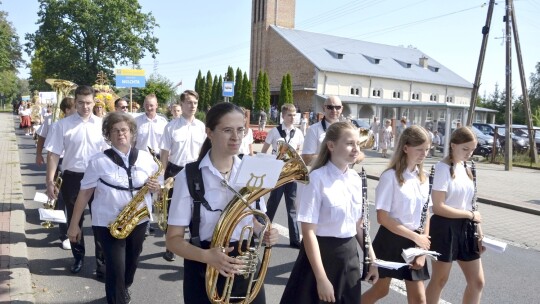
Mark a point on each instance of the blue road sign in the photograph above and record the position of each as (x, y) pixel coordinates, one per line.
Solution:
(228, 88)
(123, 81)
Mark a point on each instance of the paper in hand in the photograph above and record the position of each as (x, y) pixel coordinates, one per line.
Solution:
(410, 253)
(57, 216)
(41, 197)
(494, 245)
(389, 265)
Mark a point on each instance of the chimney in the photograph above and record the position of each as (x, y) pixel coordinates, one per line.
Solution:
(423, 62)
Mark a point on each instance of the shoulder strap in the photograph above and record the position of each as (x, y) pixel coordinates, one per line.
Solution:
(323, 124)
(284, 134)
(115, 158)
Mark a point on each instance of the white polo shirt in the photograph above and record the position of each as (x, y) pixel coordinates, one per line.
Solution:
(183, 140)
(314, 137)
(246, 141)
(79, 140)
(403, 203)
(109, 202)
(332, 200)
(296, 141)
(149, 132)
(43, 130)
(217, 195)
(459, 190)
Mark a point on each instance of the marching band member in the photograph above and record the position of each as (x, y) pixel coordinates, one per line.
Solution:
(225, 128)
(453, 193)
(330, 212)
(67, 106)
(181, 142)
(294, 137)
(114, 177)
(79, 137)
(401, 194)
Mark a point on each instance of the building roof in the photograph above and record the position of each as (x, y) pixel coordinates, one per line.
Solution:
(349, 56)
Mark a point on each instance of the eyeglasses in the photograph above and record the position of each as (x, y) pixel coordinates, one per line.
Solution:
(120, 131)
(229, 131)
(331, 107)
(123, 107)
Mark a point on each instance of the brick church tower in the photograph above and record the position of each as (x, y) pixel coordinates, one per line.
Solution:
(266, 13)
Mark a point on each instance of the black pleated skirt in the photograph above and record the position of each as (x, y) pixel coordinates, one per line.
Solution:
(341, 264)
(388, 246)
(452, 238)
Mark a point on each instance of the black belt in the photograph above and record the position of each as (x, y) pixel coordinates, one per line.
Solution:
(67, 173)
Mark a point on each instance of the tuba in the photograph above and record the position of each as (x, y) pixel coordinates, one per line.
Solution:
(130, 216)
(162, 203)
(238, 208)
(51, 203)
(367, 139)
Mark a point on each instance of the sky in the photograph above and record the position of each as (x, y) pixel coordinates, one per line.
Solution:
(212, 35)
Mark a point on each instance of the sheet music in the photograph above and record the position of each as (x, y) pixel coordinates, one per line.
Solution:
(260, 171)
(389, 265)
(410, 253)
(57, 216)
(41, 197)
(494, 245)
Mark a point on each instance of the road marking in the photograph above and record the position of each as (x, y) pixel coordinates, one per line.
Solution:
(396, 285)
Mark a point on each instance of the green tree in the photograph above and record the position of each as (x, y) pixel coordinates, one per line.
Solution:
(247, 93)
(155, 84)
(282, 92)
(266, 93)
(290, 98)
(237, 99)
(208, 92)
(77, 39)
(198, 83)
(259, 94)
(10, 48)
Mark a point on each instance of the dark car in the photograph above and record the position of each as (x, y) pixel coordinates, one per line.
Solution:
(518, 143)
(359, 123)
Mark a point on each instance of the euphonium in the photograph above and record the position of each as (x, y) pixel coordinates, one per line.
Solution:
(130, 216)
(162, 203)
(238, 208)
(51, 203)
(367, 139)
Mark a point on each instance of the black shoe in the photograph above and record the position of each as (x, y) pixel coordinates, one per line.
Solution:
(77, 266)
(169, 256)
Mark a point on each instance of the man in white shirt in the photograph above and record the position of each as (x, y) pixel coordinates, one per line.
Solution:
(375, 129)
(79, 136)
(294, 137)
(150, 126)
(181, 141)
(315, 134)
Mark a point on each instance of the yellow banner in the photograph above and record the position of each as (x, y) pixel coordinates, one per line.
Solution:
(129, 72)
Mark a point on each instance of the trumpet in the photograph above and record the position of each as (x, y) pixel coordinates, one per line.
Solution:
(162, 203)
(51, 203)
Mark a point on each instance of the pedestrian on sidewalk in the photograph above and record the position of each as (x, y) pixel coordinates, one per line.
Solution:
(387, 138)
(452, 228)
(401, 194)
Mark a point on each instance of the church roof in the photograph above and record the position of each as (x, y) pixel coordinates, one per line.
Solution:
(349, 56)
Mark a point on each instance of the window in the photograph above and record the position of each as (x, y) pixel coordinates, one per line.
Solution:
(433, 97)
(415, 96)
(396, 94)
(355, 91)
(352, 91)
(449, 99)
(376, 93)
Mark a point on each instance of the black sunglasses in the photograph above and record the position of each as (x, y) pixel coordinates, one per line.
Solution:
(331, 107)
(123, 107)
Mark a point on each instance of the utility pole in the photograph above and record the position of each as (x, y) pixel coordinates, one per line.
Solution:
(480, 66)
(508, 115)
(524, 91)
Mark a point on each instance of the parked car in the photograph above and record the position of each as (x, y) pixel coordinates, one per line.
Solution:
(522, 131)
(518, 143)
(359, 123)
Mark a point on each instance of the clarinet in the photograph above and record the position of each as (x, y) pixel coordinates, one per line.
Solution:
(474, 203)
(365, 227)
(423, 216)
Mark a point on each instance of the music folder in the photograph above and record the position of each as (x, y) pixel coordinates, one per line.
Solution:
(57, 216)
(40, 197)
(261, 171)
(494, 245)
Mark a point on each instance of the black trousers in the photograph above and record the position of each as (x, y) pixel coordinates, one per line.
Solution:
(69, 190)
(62, 227)
(122, 259)
(289, 190)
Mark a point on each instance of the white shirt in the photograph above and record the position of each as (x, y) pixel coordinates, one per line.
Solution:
(183, 140)
(459, 191)
(43, 130)
(78, 139)
(375, 127)
(314, 136)
(332, 200)
(109, 202)
(403, 203)
(218, 197)
(149, 132)
(246, 141)
(296, 141)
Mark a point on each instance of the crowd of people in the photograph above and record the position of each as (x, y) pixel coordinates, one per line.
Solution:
(112, 160)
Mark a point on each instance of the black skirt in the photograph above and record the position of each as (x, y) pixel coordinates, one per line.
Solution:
(342, 267)
(452, 238)
(388, 246)
(195, 287)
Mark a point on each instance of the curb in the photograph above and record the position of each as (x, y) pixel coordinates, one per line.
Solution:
(493, 202)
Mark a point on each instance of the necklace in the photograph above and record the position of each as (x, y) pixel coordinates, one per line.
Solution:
(225, 173)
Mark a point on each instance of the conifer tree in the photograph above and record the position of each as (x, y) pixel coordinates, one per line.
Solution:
(259, 93)
(282, 92)
(208, 92)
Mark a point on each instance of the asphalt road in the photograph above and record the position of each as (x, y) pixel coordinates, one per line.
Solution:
(511, 277)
